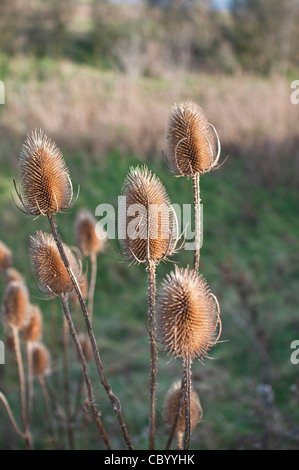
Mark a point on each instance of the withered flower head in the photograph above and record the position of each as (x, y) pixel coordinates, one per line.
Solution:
(173, 401)
(45, 184)
(193, 144)
(148, 225)
(15, 305)
(187, 315)
(41, 362)
(32, 330)
(90, 236)
(48, 266)
(5, 257)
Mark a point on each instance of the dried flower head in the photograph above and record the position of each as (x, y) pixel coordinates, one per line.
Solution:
(13, 274)
(45, 184)
(40, 359)
(173, 401)
(48, 265)
(192, 141)
(86, 346)
(15, 305)
(90, 236)
(187, 315)
(5, 257)
(148, 226)
(32, 330)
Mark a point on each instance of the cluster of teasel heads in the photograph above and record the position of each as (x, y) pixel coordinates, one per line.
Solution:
(184, 317)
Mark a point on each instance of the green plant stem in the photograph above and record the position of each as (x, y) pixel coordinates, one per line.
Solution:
(113, 399)
(197, 224)
(187, 398)
(151, 276)
(47, 400)
(66, 385)
(64, 302)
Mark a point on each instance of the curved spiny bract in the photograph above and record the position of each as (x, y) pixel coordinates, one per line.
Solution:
(150, 233)
(187, 315)
(48, 266)
(45, 184)
(192, 141)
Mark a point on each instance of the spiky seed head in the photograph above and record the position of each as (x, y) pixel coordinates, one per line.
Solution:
(5, 257)
(45, 183)
(187, 315)
(170, 408)
(32, 330)
(48, 266)
(191, 141)
(90, 236)
(148, 225)
(15, 305)
(41, 362)
(13, 274)
(86, 346)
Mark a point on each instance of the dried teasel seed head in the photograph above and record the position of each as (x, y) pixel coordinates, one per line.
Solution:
(41, 362)
(5, 257)
(86, 346)
(13, 274)
(173, 401)
(32, 330)
(90, 236)
(48, 266)
(45, 184)
(15, 305)
(187, 315)
(148, 225)
(192, 141)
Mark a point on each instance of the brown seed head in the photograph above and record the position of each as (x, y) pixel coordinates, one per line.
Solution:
(86, 346)
(32, 330)
(40, 359)
(15, 305)
(88, 238)
(5, 257)
(45, 182)
(171, 405)
(187, 315)
(148, 225)
(191, 141)
(13, 275)
(48, 265)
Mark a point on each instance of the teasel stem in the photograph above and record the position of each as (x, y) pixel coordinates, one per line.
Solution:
(151, 276)
(22, 382)
(196, 201)
(47, 401)
(93, 276)
(64, 302)
(187, 399)
(113, 399)
(30, 380)
(11, 416)
(66, 384)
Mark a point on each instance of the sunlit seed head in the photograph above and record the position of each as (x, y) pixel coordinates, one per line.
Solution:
(85, 233)
(45, 183)
(32, 330)
(5, 257)
(15, 305)
(41, 361)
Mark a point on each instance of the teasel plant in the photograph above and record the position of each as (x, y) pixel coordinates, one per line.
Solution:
(193, 149)
(45, 190)
(150, 238)
(188, 325)
(15, 307)
(5, 257)
(90, 238)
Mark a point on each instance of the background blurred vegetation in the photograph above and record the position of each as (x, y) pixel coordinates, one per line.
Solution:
(100, 78)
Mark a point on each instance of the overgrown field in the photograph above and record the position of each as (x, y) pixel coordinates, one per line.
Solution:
(105, 122)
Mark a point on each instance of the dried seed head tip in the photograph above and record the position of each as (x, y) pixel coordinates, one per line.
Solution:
(40, 359)
(187, 315)
(48, 266)
(149, 224)
(15, 305)
(191, 140)
(90, 236)
(173, 401)
(32, 330)
(5, 257)
(46, 187)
